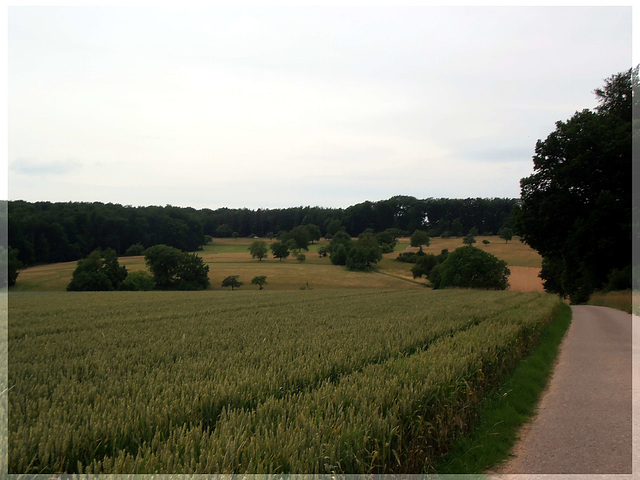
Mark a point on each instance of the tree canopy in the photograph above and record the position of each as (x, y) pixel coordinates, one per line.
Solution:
(576, 207)
(470, 267)
(99, 271)
(173, 269)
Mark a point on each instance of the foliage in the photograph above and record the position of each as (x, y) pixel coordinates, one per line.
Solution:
(173, 269)
(46, 232)
(419, 238)
(301, 257)
(470, 267)
(99, 271)
(339, 255)
(364, 253)
(424, 264)
(258, 249)
(469, 240)
(134, 250)
(410, 257)
(259, 280)
(576, 207)
(506, 234)
(232, 281)
(323, 250)
(280, 250)
(14, 265)
(138, 282)
(301, 236)
(179, 381)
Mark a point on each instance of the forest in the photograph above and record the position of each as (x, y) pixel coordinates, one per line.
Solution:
(46, 232)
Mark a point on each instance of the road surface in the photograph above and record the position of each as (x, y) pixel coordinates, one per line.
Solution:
(584, 422)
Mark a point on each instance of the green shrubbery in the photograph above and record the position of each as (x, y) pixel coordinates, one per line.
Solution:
(470, 267)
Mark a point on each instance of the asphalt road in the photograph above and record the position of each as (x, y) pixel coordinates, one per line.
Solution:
(584, 422)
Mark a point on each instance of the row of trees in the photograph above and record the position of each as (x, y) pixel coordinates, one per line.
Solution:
(45, 232)
(171, 269)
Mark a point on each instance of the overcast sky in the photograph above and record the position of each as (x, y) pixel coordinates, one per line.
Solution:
(285, 106)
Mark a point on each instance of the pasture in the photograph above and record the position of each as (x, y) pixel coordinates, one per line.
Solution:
(231, 257)
(316, 381)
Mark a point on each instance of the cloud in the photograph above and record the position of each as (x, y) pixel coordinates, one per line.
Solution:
(30, 166)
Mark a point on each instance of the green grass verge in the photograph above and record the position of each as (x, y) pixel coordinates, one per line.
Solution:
(509, 407)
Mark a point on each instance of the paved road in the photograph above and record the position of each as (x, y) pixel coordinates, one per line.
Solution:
(584, 424)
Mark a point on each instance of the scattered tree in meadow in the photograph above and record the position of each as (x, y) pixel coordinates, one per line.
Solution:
(259, 280)
(324, 250)
(173, 269)
(301, 257)
(98, 272)
(469, 240)
(469, 267)
(506, 234)
(419, 238)
(258, 249)
(280, 250)
(424, 264)
(315, 233)
(364, 253)
(232, 281)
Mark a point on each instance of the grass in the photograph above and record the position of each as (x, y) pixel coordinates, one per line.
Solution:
(620, 300)
(228, 256)
(509, 407)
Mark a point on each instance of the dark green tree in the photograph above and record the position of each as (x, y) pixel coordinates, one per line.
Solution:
(173, 269)
(138, 282)
(576, 207)
(280, 250)
(506, 234)
(14, 265)
(258, 249)
(232, 281)
(98, 272)
(469, 240)
(364, 253)
(419, 238)
(259, 280)
(134, 250)
(470, 267)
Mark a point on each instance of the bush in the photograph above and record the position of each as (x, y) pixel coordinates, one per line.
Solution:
(339, 255)
(470, 267)
(100, 271)
(619, 279)
(173, 269)
(410, 257)
(424, 265)
(134, 250)
(138, 282)
(301, 257)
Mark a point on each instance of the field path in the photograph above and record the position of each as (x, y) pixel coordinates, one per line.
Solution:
(584, 422)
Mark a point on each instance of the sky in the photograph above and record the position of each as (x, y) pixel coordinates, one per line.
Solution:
(275, 107)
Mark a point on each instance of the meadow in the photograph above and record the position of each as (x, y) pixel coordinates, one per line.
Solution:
(317, 381)
(231, 257)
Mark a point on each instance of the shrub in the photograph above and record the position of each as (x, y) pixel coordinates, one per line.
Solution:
(470, 267)
(424, 265)
(134, 250)
(301, 257)
(138, 282)
(174, 269)
(339, 255)
(98, 272)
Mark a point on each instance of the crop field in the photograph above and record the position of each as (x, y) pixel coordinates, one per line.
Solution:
(315, 381)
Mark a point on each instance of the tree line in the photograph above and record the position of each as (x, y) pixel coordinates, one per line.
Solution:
(46, 232)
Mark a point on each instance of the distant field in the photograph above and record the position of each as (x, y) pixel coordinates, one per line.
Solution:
(323, 381)
(231, 257)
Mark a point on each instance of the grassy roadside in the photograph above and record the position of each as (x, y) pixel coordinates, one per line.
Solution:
(509, 407)
(620, 300)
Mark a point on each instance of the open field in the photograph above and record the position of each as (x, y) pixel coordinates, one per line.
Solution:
(231, 257)
(364, 380)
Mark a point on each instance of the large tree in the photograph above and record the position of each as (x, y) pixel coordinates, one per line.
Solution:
(576, 207)
(174, 269)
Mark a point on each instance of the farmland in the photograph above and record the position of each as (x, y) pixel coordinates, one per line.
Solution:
(231, 256)
(314, 381)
